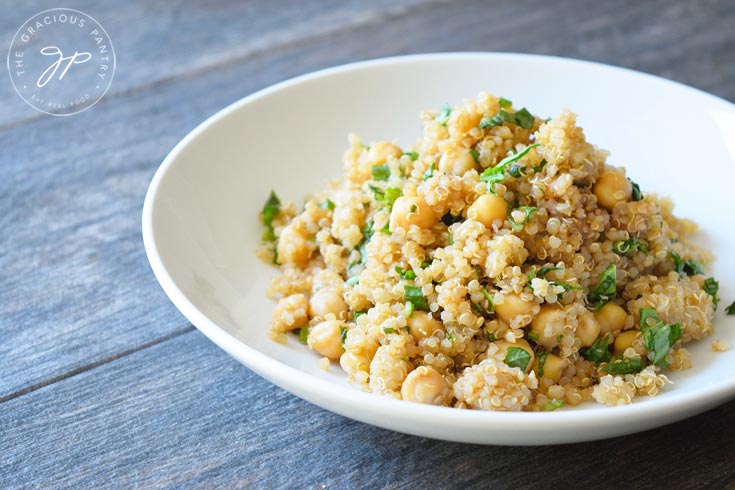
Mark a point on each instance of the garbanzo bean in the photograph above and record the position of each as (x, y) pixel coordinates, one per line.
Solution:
(326, 338)
(411, 210)
(623, 341)
(588, 328)
(521, 343)
(553, 367)
(291, 312)
(612, 188)
(547, 325)
(422, 325)
(327, 301)
(457, 163)
(487, 208)
(424, 385)
(379, 152)
(293, 247)
(514, 306)
(611, 317)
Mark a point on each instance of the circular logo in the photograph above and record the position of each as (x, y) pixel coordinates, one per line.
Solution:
(61, 61)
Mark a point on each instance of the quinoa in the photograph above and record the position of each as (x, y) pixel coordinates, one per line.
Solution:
(499, 264)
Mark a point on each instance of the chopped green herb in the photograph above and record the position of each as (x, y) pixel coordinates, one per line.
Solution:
(413, 208)
(658, 338)
(554, 404)
(491, 336)
(359, 313)
(385, 229)
(327, 205)
(405, 358)
(636, 195)
(389, 330)
(443, 116)
(475, 154)
(545, 270)
(524, 119)
(540, 166)
(730, 310)
(689, 267)
(532, 336)
(504, 103)
(528, 210)
(478, 310)
(415, 295)
(521, 118)
(542, 355)
(516, 170)
(624, 366)
(425, 264)
(517, 357)
(605, 289)
(351, 281)
(381, 172)
(405, 274)
(303, 334)
(386, 196)
(599, 350)
(489, 299)
(414, 156)
(270, 210)
(343, 336)
(497, 173)
(449, 336)
(449, 219)
(711, 287)
(408, 309)
(451, 239)
(429, 172)
(274, 260)
(630, 246)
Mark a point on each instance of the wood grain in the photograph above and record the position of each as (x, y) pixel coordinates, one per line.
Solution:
(184, 414)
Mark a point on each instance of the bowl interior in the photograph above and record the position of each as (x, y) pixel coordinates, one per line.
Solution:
(204, 209)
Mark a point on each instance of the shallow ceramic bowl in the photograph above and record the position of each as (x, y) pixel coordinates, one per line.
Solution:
(201, 229)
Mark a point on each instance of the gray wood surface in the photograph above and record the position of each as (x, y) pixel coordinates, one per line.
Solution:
(104, 385)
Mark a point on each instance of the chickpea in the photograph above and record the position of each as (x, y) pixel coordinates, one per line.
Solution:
(588, 329)
(457, 163)
(487, 208)
(425, 385)
(326, 338)
(514, 306)
(351, 363)
(380, 151)
(290, 312)
(411, 210)
(327, 301)
(553, 367)
(612, 188)
(422, 325)
(293, 247)
(548, 325)
(623, 341)
(611, 317)
(521, 343)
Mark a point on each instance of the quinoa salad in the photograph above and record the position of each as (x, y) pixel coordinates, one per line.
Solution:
(498, 264)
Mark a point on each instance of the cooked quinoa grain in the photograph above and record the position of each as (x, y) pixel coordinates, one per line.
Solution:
(499, 264)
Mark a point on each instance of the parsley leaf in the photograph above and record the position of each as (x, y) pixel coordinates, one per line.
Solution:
(517, 357)
(599, 350)
(381, 172)
(521, 118)
(528, 210)
(343, 336)
(542, 355)
(636, 195)
(429, 172)
(270, 210)
(415, 296)
(730, 310)
(405, 274)
(658, 337)
(605, 289)
(630, 246)
(554, 404)
(303, 334)
(624, 366)
(497, 173)
(689, 267)
(386, 196)
(475, 154)
(414, 156)
(711, 287)
(389, 330)
(443, 116)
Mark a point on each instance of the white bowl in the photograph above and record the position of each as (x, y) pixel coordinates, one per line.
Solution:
(201, 229)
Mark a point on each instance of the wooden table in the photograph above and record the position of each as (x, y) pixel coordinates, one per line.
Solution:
(103, 384)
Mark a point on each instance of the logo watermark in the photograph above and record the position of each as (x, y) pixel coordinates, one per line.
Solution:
(61, 61)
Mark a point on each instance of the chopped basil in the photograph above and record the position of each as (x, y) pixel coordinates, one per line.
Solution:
(414, 156)
(497, 173)
(517, 357)
(554, 404)
(542, 355)
(327, 205)
(415, 295)
(689, 267)
(636, 194)
(389, 330)
(475, 154)
(405, 274)
(443, 116)
(343, 336)
(449, 219)
(730, 310)
(630, 246)
(408, 309)
(429, 172)
(303, 334)
(658, 337)
(521, 118)
(528, 210)
(605, 289)
(624, 366)
(381, 172)
(386, 196)
(711, 287)
(270, 210)
(598, 352)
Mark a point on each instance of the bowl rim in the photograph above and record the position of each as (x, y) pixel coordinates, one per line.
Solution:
(339, 399)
